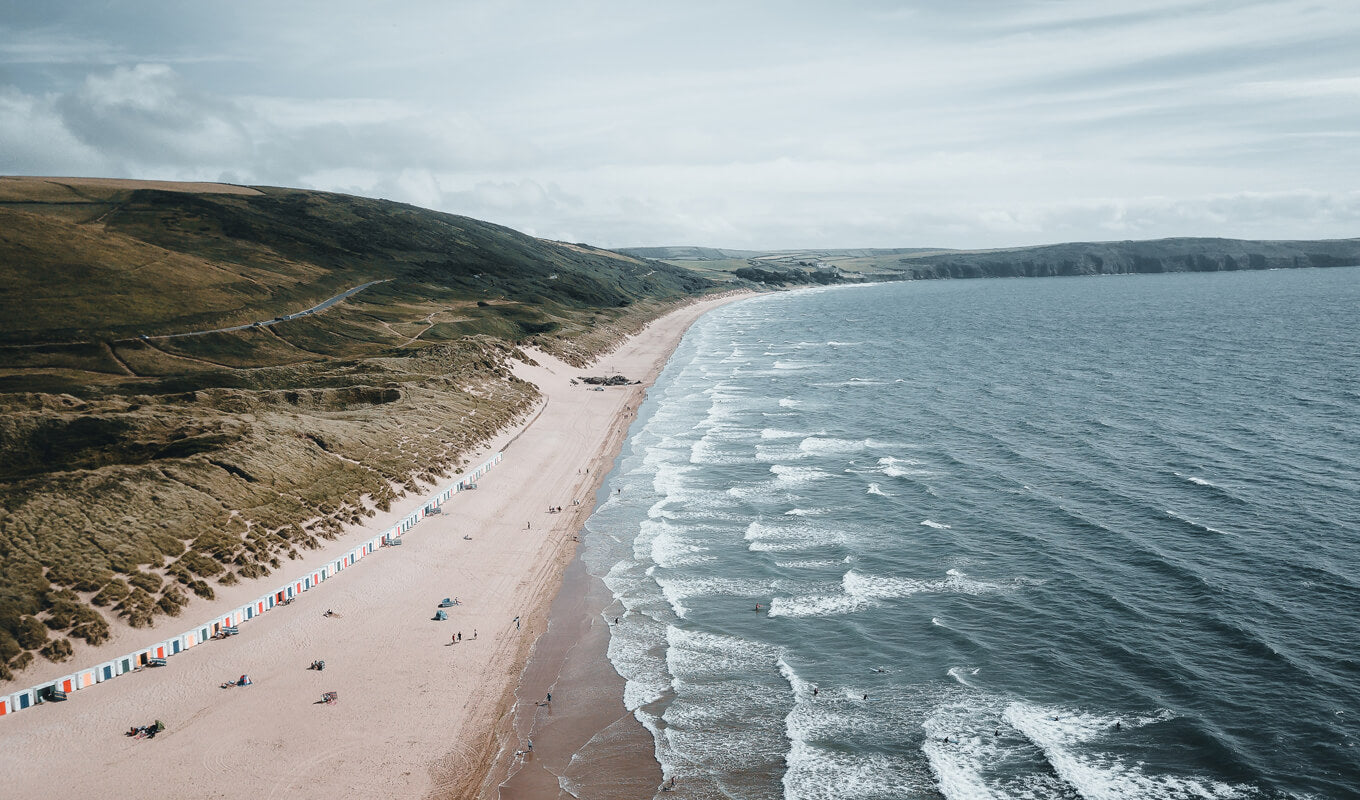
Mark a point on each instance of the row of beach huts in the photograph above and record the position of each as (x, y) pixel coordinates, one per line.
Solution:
(226, 625)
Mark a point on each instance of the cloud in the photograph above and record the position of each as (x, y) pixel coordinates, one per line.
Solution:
(977, 123)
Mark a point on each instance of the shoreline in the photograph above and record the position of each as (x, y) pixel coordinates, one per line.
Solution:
(418, 715)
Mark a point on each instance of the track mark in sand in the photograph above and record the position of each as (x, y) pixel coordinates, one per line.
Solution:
(298, 770)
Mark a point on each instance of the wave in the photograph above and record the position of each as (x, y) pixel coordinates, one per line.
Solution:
(1193, 524)
(1069, 742)
(933, 524)
(805, 512)
(893, 467)
(790, 475)
(830, 444)
(861, 590)
(775, 433)
(959, 673)
(789, 402)
(875, 489)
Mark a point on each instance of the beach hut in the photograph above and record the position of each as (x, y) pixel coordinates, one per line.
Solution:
(159, 650)
(261, 605)
(67, 684)
(85, 679)
(4, 706)
(44, 691)
(176, 645)
(105, 672)
(24, 699)
(205, 633)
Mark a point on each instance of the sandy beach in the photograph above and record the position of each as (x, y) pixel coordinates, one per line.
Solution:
(418, 715)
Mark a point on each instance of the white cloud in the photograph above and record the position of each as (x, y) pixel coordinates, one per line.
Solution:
(977, 123)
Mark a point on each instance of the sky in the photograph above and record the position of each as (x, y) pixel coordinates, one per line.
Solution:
(760, 125)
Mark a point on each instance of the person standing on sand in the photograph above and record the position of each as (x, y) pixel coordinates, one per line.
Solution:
(516, 623)
(474, 634)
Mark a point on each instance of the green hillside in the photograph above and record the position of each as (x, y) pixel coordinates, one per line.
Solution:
(140, 466)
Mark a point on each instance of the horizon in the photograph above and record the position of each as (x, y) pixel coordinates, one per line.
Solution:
(984, 125)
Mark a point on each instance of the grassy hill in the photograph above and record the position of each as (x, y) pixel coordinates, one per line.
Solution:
(137, 471)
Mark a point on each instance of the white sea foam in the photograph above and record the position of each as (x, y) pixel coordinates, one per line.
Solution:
(779, 453)
(797, 476)
(932, 524)
(900, 467)
(1192, 523)
(827, 605)
(826, 444)
(789, 402)
(844, 344)
(862, 590)
(874, 489)
(961, 674)
(1069, 741)
(775, 433)
(792, 365)
(805, 512)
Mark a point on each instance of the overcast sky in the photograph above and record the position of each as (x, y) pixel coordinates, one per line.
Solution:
(959, 123)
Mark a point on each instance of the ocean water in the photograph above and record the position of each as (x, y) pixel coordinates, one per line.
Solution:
(1062, 538)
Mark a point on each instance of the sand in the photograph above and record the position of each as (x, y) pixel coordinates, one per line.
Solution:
(418, 715)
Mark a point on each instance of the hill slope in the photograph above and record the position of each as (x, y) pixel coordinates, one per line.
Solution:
(137, 470)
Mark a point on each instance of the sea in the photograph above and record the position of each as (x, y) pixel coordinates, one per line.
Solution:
(1033, 538)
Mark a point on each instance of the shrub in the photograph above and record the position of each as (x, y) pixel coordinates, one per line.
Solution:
(58, 650)
(30, 633)
(145, 581)
(115, 591)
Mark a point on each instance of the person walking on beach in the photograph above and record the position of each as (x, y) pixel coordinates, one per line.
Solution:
(549, 697)
(516, 623)
(474, 634)
(460, 637)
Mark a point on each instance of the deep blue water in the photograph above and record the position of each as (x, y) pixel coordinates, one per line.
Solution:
(1060, 538)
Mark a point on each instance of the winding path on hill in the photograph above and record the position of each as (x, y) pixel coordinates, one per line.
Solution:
(316, 309)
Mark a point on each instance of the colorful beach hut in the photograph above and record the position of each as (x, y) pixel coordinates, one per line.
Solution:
(85, 679)
(105, 672)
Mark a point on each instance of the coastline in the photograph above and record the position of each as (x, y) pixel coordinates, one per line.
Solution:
(418, 715)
